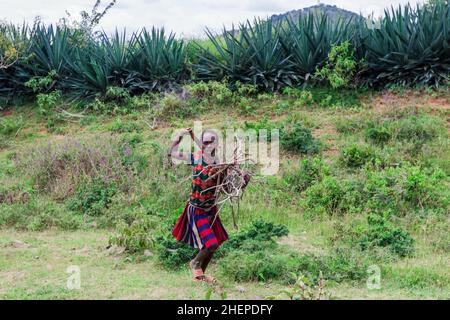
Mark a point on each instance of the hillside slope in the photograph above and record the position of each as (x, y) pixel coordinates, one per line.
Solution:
(333, 12)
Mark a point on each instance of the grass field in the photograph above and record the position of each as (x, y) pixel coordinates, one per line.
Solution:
(385, 155)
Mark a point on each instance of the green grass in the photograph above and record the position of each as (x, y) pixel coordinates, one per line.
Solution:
(323, 199)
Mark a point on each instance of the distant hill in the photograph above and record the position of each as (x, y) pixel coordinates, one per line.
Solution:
(332, 11)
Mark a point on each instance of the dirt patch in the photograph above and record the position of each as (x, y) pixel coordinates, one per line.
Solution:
(19, 244)
(387, 101)
(59, 137)
(13, 276)
(328, 134)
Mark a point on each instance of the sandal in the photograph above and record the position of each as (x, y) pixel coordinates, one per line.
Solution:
(209, 279)
(198, 275)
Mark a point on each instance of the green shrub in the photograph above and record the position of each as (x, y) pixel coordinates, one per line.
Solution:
(405, 189)
(261, 124)
(135, 237)
(418, 130)
(349, 126)
(332, 196)
(258, 232)
(132, 139)
(381, 233)
(117, 94)
(378, 133)
(356, 156)
(92, 198)
(418, 278)
(43, 83)
(246, 105)
(37, 215)
(171, 253)
(338, 99)
(121, 126)
(295, 137)
(212, 92)
(252, 253)
(47, 102)
(340, 67)
(260, 265)
(10, 126)
(60, 167)
(340, 264)
(302, 97)
(310, 171)
(172, 106)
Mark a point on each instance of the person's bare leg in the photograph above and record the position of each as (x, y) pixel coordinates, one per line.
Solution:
(207, 259)
(199, 264)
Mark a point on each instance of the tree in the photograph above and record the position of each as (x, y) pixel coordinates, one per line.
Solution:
(88, 21)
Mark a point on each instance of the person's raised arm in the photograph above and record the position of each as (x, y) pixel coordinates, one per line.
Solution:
(174, 152)
(193, 137)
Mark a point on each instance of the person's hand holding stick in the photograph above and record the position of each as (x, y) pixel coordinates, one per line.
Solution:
(173, 152)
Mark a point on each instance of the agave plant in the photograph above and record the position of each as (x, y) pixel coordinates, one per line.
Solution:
(271, 67)
(228, 57)
(90, 72)
(119, 54)
(13, 73)
(159, 62)
(411, 46)
(308, 40)
(251, 54)
(51, 49)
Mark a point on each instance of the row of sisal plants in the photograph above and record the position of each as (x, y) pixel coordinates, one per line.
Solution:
(408, 46)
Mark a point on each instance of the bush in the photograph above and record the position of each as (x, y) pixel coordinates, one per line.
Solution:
(381, 233)
(212, 92)
(340, 67)
(406, 188)
(338, 99)
(121, 126)
(135, 237)
(331, 196)
(260, 265)
(10, 126)
(59, 167)
(355, 156)
(311, 170)
(378, 133)
(37, 215)
(298, 139)
(257, 233)
(347, 126)
(171, 105)
(47, 102)
(171, 253)
(92, 198)
(117, 94)
(303, 97)
(418, 130)
(340, 264)
(418, 278)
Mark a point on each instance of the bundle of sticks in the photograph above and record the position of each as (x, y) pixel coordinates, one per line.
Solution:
(232, 178)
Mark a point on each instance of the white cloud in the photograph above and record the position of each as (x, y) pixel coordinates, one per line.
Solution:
(185, 17)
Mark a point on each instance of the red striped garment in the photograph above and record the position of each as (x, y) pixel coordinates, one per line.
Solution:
(195, 228)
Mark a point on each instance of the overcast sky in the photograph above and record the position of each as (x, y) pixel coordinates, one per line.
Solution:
(186, 17)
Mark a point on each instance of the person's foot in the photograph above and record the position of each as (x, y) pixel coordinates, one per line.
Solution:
(197, 272)
(209, 279)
